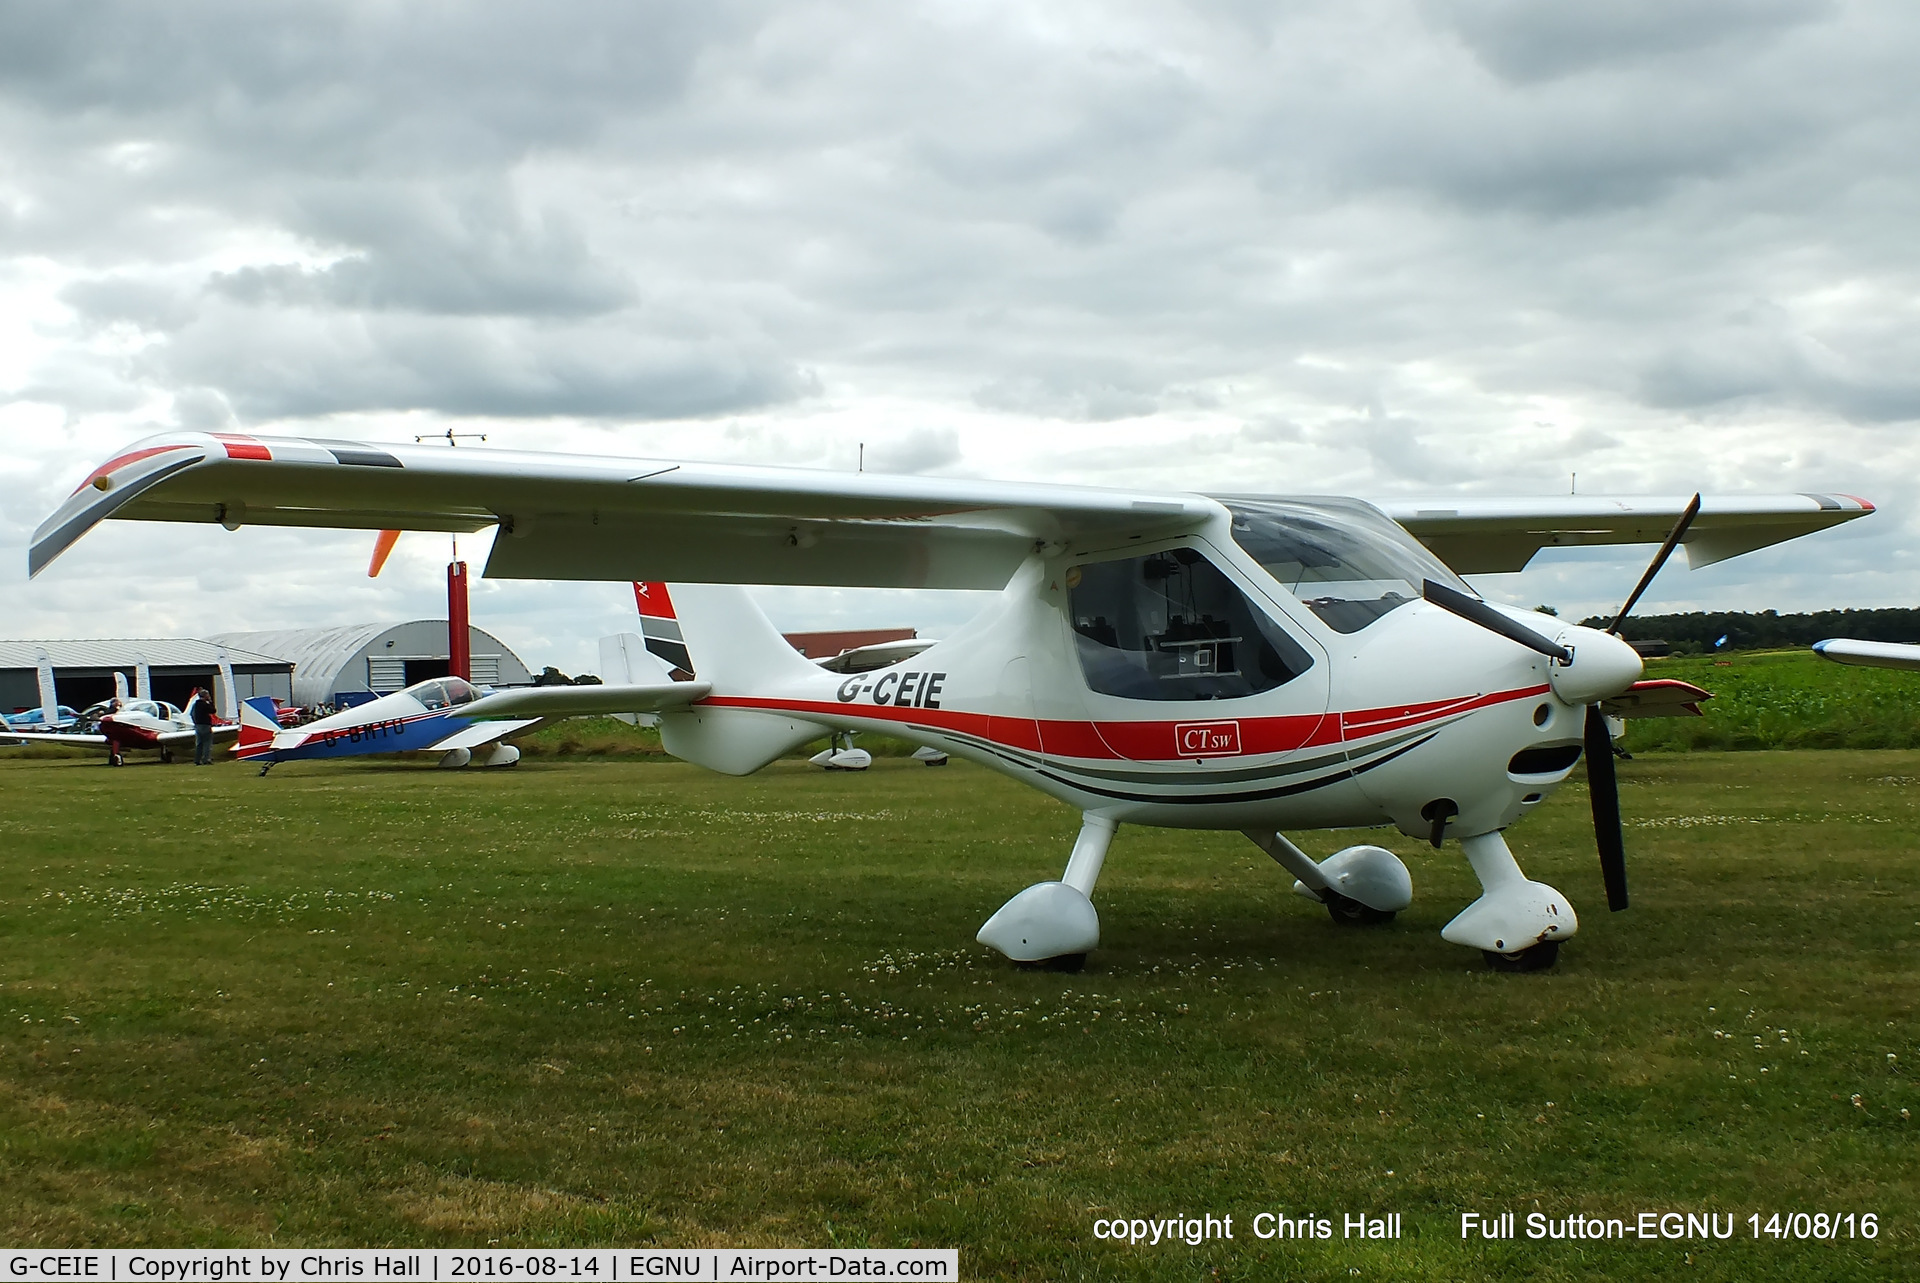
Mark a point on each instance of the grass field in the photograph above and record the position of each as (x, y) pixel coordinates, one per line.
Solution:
(631, 1002)
(1784, 700)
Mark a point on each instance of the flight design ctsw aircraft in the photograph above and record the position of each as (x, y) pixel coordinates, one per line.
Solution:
(1154, 657)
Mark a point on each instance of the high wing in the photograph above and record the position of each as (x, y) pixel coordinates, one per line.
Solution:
(601, 518)
(1869, 654)
(1484, 536)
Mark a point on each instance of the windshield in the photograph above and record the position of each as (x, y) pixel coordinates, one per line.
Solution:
(443, 692)
(1346, 560)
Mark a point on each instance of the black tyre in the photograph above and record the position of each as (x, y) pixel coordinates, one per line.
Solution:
(1069, 962)
(1539, 957)
(1352, 913)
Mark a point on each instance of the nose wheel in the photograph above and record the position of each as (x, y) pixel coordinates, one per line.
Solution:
(1351, 913)
(1539, 957)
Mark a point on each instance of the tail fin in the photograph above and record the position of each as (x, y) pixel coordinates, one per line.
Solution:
(661, 626)
(739, 651)
(259, 723)
(732, 642)
(626, 661)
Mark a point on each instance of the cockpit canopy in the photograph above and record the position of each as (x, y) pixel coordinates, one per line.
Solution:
(443, 692)
(1346, 560)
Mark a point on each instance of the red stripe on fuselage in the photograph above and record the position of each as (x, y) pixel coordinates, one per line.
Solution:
(1142, 741)
(1373, 721)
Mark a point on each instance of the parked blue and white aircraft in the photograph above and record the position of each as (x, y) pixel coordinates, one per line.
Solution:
(35, 719)
(448, 716)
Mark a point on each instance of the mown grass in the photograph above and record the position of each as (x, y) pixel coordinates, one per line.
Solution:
(375, 1003)
(1784, 700)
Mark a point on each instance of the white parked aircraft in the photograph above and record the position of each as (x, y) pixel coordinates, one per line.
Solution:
(131, 724)
(1154, 657)
(1868, 654)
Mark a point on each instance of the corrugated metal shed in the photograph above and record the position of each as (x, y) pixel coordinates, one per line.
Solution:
(318, 655)
(83, 669)
(120, 652)
(331, 662)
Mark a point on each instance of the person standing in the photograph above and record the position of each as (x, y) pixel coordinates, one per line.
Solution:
(202, 727)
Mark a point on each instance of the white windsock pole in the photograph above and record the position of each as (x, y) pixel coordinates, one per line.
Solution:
(229, 702)
(49, 700)
(142, 677)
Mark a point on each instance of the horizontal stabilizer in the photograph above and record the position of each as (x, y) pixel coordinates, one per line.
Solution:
(585, 701)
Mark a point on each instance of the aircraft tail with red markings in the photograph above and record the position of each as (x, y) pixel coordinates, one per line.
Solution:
(720, 633)
(259, 723)
(660, 626)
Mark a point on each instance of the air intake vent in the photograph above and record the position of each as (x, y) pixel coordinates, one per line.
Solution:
(1553, 760)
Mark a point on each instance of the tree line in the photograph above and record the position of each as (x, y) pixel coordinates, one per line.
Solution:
(1765, 629)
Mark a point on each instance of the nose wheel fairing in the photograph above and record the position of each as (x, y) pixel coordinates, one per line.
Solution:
(1513, 912)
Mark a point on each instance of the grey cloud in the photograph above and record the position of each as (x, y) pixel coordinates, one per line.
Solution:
(343, 86)
(920, 450)
(1087, 400)
(416, 250)
(276, 365)
(1763, 357)
(144, 303)
(1533, 40)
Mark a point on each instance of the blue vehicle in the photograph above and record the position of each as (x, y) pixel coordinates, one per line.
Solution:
(35, 719)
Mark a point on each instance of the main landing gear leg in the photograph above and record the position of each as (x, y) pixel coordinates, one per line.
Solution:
(1516, 923)
(1360, 885)
(1053, 924)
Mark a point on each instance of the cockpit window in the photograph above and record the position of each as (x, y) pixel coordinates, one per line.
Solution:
(1346, 560)
(1172, 626)
(443, 692)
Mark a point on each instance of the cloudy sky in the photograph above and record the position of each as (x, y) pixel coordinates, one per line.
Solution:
(1362, 246)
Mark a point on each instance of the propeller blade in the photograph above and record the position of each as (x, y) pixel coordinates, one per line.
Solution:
(1659, 559)
(1603, 788)
(1475, 611)
(382, 546)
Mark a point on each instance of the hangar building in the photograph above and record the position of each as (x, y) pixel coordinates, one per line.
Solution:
(347, 664)
(83, 670)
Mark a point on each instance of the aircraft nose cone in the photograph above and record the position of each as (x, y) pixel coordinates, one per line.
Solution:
(1602, 667)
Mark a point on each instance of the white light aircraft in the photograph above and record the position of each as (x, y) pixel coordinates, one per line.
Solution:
(1868, 654)
(448, 716)
(150, 724)
(1156, 657)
